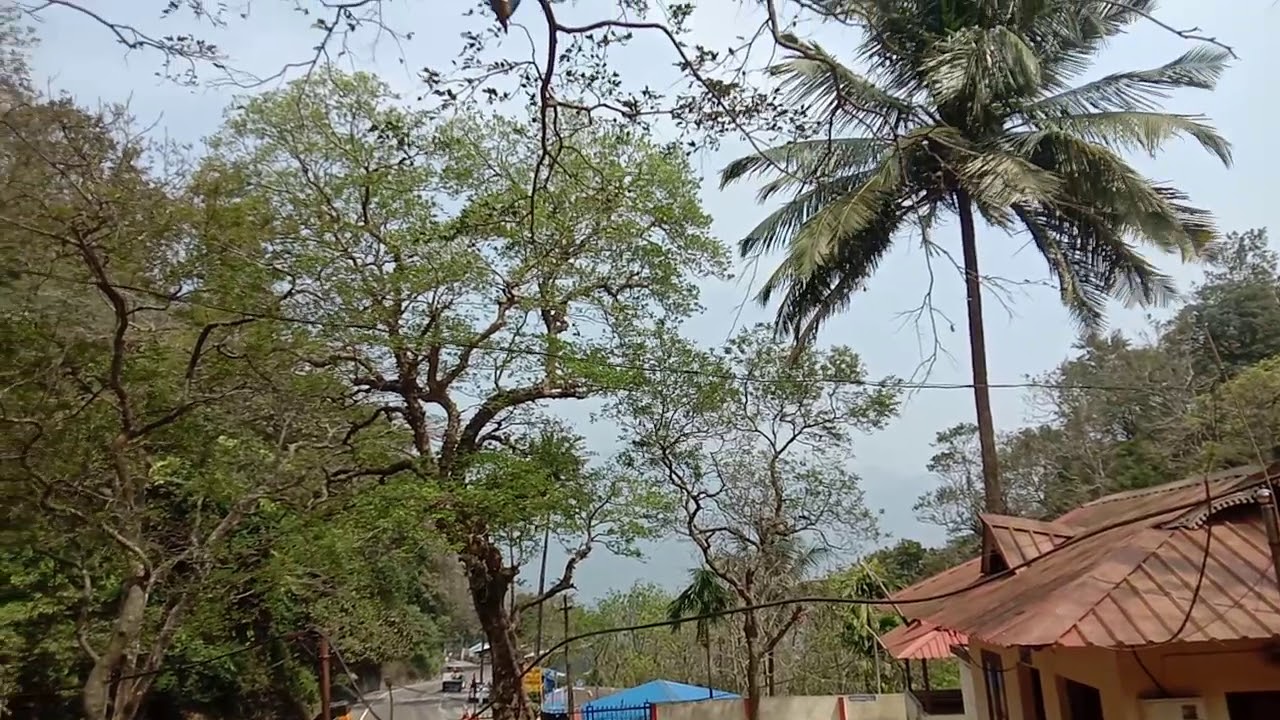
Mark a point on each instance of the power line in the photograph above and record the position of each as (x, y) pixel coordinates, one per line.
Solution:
(985, 580)
(600, 363)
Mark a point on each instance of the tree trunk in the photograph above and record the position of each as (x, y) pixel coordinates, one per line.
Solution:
(98, 700)
(875, 658)
(489, 586)
(992, 489)
(749, 634)
(710, 685)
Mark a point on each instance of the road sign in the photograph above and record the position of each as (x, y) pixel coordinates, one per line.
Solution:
(533, 681)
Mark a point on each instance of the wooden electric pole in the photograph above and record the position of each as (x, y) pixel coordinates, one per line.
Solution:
(325, 699)
(568, 670)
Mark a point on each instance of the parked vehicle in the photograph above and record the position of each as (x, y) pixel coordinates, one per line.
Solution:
(453, 683)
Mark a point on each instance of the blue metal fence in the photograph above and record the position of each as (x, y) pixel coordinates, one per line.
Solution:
(622, 712)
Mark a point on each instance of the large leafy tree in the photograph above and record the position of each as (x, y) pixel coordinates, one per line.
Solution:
(163, 454)
(143, 427)
(755, 452)
(463, 283)
(967, 108)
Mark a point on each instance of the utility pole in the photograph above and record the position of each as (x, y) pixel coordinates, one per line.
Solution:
(325, 700)
(568, 671)
(542, 587)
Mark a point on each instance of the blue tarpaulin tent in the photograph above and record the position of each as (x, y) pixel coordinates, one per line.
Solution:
(632, 704)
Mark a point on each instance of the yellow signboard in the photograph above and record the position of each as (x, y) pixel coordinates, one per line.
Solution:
(533, 681)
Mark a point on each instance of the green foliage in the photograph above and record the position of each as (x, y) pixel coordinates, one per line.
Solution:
(971, 105)
(1124, 414)
(1239, 421)
(863, 624)
(624, 660)
(179, 484)
(754, 452)
(1233, 320)
(705, 595)
(463, 282)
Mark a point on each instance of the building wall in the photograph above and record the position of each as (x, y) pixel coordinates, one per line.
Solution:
(966, 690)
(1205, 670)
(820, 707)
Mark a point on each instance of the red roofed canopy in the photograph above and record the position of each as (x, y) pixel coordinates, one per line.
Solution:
(921, 640)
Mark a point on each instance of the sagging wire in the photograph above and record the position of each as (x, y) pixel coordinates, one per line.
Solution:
(981, 582)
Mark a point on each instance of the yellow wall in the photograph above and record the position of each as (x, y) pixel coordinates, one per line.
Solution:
(1205, 670)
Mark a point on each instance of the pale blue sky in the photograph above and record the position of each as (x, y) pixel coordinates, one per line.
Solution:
(79, 56)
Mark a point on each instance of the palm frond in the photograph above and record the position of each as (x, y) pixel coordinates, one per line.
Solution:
(896, 36)
(1199, 67)
(810, 299)
(1084, 300)
(1070, 33)
(1145, 131)
(705, 595)
(818, 81)
(781, 225)
(794, 558)
(1092, 263)
(804, 162)
(1090, 232)
(997, 181)
(970, 68)
(1101, 186)
(818, 239)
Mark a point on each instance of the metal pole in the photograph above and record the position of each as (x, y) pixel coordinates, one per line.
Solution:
(325, 699)
(568, 671)
(1267, 500)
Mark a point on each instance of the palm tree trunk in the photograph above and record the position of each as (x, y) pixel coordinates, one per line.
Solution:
(749, 635)
(706, 646)
(993, 491)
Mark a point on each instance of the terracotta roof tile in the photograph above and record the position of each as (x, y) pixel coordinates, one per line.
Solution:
(1121, 583)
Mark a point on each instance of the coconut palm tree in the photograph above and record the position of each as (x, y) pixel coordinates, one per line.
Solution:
(967, 108)
(705, 598)
(864, 624)
(771, 568)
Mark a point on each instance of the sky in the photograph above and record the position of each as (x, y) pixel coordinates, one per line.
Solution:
(1027, 334)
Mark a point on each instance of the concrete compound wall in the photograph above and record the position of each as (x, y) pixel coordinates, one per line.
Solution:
(820, 707)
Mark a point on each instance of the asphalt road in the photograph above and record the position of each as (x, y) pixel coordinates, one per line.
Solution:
(422, 701)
